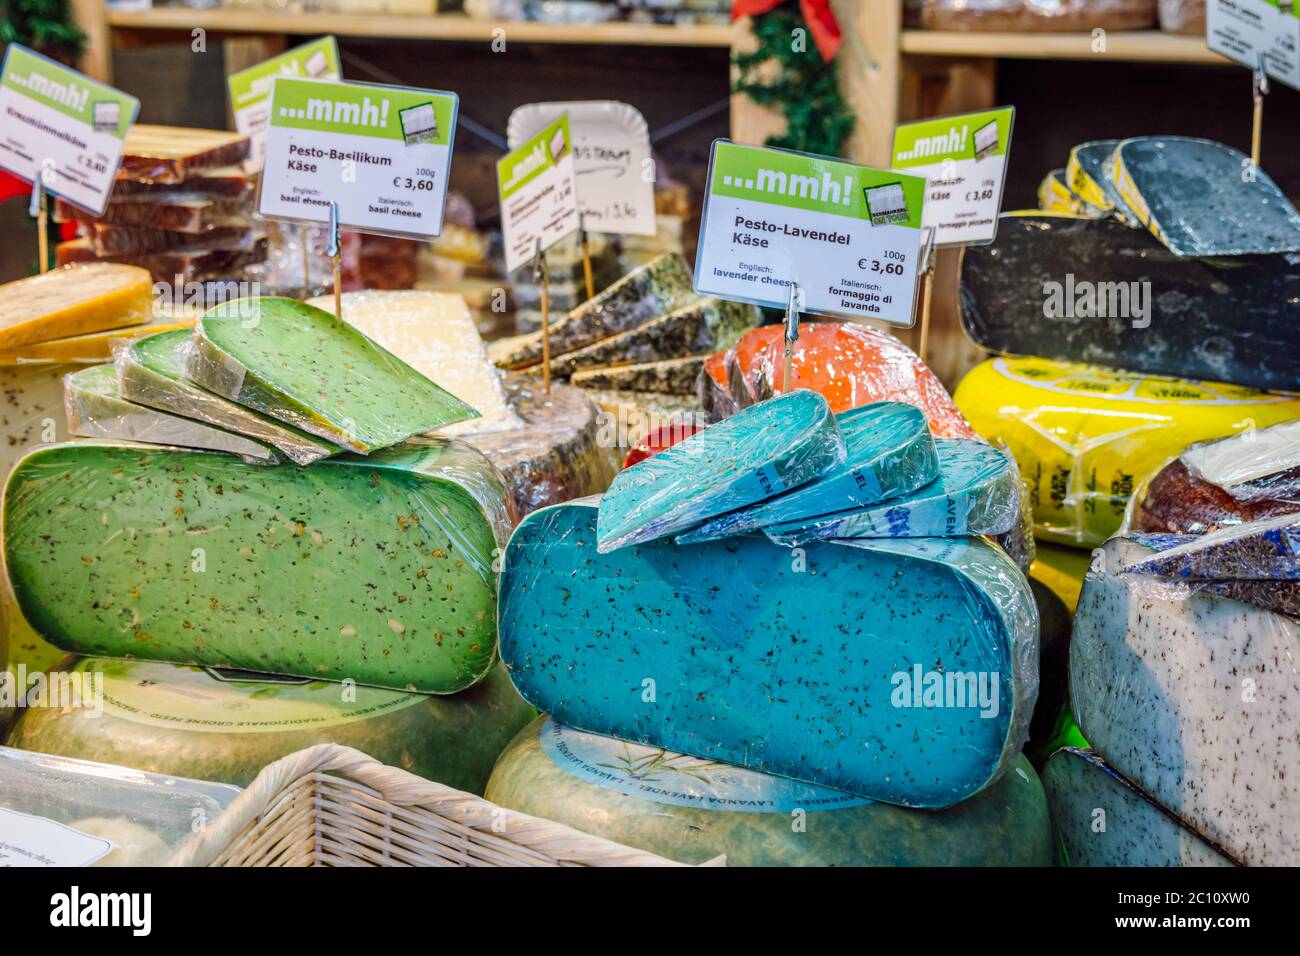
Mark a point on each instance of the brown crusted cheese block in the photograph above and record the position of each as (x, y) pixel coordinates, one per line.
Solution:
(558, 455)
(1033, 16)
(200, 265)
(671, 377)
(1176, 502)
(230, 182)
(126, 240)
(172, 154)
(179, 212)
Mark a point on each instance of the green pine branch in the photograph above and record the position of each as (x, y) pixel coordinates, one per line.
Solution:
(44, 25)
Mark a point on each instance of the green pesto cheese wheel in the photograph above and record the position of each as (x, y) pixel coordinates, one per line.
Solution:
(225, 726)
(376, 570)
(693, 810)
(309, 369)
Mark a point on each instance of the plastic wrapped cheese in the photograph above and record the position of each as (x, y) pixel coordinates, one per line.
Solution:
(90, 349)
(1101, 819)
(1193, 195)
(901, 671)
(231, 182)
(172, 154)
(1189, 696)
(307, 368)
(670, 377)
(96, 409)
(977, 491)
(693, 810)
(73, 300)
(57, 811)
(376, 570)
(655, 289)
(1028, 16)
(755, 455)
(151, 372)
(1259, 465)
(562, 450)
(434, 333)
(848, 364)
(180, 212)
(192, 265)
(228, 725)
(889, 452)
(1085, 436)
(108, 241)
(1116, 297)
(1264, 550)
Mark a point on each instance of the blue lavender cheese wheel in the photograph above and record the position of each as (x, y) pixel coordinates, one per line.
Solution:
(376, 570)
(693, 810)
(900, 670)
(1192, 697)
(226, 726)
(889, 452)
(1101, 819)
(756, 454)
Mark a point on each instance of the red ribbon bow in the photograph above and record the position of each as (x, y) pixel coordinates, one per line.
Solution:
(817, 14)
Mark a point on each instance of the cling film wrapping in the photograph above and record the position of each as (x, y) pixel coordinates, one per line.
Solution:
(756, 454)
(96, 409)
(748, 653)
(227, 725)
(377, 570)
(1086, 436)
(1257, 466)
(151, 372)
(1030, 16)
(310, 369)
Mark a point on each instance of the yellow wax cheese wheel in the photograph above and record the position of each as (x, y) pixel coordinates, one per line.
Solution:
(74, 300)
(1085, 436)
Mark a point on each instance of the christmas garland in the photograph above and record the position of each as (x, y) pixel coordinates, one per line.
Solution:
(787, 75)
(44, 25)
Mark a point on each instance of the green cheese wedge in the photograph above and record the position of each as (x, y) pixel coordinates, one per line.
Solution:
(227, 725)
(376, 570)
(692, 810)
(705, 326)
(151, 371)
(673, 377)
(310, 369)
(658, 287)
(96, 409)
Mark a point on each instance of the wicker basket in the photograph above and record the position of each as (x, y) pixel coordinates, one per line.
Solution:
(333, 806)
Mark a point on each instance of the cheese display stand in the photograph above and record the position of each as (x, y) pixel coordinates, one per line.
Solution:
(371, 497)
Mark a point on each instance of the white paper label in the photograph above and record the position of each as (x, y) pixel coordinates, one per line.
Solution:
(1243, 30)
(611, 159)
(63, 127)
(539, 195)
(381, 152)
(964, 160)
(26, 840)
(250, 89)
(848, 235)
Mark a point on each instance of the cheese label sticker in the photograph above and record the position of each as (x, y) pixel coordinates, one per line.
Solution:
(611, 160)
(250, 89)
(30, 841)
(964, 160)
(382, 153)
(539, 194)
(1248, 30)
(848, 236)
(62, 126)
(677, 780)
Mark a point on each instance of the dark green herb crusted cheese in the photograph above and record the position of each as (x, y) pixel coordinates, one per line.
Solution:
(308, 368)
(700, 328)
(151, 371)
(693, 810)
(96, 409)
(671, 377)
(377, 570)
(658, 287)
(1101, 819)
(227, 725)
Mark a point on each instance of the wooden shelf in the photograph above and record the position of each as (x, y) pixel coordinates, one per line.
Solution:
(1150, 46)
(438, 27)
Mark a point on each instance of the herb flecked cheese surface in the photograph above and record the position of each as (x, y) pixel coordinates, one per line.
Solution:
(72, 301)
(1191, 696)
(377, 569)
(855, 667)
(691, 810)
(227, 725)
(313, 371)
(1101, 819)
